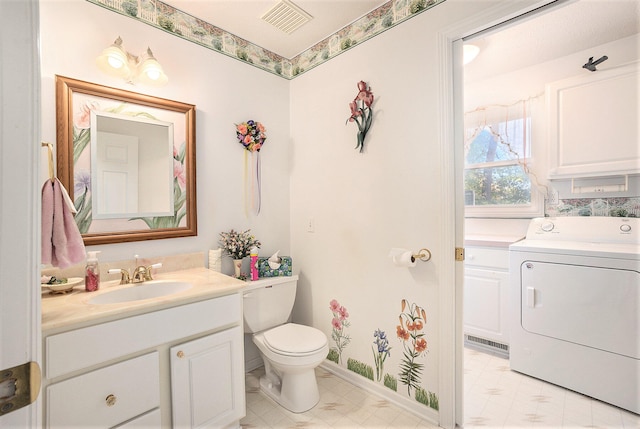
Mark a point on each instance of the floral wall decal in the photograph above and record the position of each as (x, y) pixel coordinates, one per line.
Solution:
(380, 352)
(339, 323)
(404, 368)
(361, 112)
(410, 331)
(252, 135)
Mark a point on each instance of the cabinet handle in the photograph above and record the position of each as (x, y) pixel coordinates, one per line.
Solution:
(180, 354)
(111, 400)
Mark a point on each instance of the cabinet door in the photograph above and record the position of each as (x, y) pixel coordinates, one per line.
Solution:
(485, 304)
(593, 124)
(207, 380)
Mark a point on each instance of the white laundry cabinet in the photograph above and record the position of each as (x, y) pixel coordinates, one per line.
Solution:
(593, 123)
(486, 298)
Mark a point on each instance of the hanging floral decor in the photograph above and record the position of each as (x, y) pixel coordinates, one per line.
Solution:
(252, 135)
(361, 112)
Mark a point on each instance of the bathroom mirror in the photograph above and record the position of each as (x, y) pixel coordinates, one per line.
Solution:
(127, 161)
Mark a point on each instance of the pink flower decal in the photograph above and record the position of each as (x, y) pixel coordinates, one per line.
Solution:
(338, 324)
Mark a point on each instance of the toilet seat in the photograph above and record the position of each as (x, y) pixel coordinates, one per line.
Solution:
(292, 339)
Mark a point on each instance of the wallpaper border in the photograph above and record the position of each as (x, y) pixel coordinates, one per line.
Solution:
(188, 27)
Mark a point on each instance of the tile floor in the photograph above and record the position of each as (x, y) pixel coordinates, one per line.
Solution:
(342, 405)
(495, 397)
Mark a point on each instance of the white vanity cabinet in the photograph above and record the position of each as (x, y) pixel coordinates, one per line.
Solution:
(123, 372)
(593, 123)
(486, 293)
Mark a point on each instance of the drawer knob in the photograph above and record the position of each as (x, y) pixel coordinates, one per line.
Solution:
(111, 400)
(180, 354)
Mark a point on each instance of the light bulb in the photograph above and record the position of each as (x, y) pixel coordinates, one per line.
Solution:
(115, 62)
(153, 73)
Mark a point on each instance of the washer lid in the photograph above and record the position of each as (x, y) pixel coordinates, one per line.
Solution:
(293, 338)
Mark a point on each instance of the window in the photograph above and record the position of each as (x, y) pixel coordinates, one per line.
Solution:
(497, 180)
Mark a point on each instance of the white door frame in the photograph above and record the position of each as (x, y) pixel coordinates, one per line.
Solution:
(451, 106)
(20, 151)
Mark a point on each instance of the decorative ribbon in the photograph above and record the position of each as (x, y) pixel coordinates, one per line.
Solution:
(253, 186)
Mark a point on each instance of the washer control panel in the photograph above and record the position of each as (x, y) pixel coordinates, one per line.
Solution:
(594, 229)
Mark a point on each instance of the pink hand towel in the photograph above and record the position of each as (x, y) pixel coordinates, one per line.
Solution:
(62, 244)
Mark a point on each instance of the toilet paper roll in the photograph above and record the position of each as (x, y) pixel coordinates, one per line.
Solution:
(402, 258)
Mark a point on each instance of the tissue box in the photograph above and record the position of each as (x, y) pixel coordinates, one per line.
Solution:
(264, 270)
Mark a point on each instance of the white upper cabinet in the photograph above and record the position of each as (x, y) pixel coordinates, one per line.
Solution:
(594, 123)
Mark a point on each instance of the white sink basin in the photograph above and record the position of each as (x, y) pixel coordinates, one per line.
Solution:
(146, 290)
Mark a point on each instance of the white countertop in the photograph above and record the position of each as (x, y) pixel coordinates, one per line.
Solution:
(492, 240)
(61, 312)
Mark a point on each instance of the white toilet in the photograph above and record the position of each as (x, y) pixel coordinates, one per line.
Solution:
(290, 352)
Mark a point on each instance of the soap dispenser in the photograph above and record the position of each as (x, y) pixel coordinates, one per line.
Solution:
(92, 272)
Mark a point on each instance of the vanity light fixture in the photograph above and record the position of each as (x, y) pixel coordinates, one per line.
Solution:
(116, 61)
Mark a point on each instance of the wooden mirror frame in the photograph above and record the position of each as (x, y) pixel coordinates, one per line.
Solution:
(65, 90)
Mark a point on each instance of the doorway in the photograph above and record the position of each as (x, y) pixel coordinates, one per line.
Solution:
(517, 59)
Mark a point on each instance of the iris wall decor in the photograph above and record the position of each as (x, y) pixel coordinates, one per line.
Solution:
(361, 112)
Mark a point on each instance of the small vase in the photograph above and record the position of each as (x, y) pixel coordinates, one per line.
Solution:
(237, 266)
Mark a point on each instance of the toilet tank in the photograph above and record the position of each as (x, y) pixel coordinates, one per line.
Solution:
(268, 303)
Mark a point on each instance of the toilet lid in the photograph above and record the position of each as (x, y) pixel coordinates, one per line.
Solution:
(292, 338)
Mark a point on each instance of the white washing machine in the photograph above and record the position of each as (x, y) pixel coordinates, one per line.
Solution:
(575, 306)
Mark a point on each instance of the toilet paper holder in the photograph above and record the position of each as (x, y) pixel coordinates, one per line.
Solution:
(406, 258)
(423, 255)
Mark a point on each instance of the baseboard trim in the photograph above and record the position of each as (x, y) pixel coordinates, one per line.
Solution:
(410, 405)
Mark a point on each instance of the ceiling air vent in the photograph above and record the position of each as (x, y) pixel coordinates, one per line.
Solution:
(286, 16)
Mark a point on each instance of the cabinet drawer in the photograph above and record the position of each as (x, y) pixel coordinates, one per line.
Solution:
(100, 343)
(482, 257)
(82, 401)
(152, 419)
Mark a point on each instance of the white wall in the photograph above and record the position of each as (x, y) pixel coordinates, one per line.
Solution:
(363, 204)
(225, 92)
